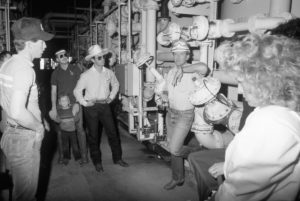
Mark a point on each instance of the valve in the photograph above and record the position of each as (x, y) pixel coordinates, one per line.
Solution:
(144, 60)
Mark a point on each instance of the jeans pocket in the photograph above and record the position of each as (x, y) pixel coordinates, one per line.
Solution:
(17, 146)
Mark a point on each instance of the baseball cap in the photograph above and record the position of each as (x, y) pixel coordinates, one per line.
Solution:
(28, 28)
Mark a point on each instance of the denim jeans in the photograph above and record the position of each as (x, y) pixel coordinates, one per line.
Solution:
(22, 150)
(81, 136)
(94, 114)
(69, 138)
(178, 124)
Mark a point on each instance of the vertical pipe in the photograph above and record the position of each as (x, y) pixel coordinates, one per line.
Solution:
(129, 42)
(91, 23)
(211, 48)
(144, 32)
(77, 42)
(7, 26)
(107, 40)
(279, 6)
(96, 33)
(151, 36)
(119, 32)
(76, 32)
(204, 53)
(142, 103)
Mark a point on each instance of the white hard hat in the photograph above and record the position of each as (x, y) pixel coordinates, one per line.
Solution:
(180, 46)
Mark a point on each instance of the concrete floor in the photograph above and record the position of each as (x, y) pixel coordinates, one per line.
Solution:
(142, 181)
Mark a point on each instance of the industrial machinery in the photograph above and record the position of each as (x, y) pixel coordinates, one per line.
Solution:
(139, 34)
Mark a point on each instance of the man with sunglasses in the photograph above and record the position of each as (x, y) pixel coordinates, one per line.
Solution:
(101, 87)
(63, 81)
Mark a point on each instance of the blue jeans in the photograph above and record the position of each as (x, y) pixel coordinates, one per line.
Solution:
(178, 124)
(22, 152)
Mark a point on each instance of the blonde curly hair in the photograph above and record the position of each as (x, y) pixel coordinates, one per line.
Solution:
(269, 64)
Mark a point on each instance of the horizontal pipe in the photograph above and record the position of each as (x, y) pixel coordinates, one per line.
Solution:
(168, 56)
(11, 8)
(66, 21)
(88, 9)
(62, 16)
(62, 36)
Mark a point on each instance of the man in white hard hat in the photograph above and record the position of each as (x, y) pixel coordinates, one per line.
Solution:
(180, 115)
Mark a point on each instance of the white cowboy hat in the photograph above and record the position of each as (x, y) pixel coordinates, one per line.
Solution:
(95, 50)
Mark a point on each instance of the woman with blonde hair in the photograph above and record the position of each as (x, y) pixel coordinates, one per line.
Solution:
(263, 160)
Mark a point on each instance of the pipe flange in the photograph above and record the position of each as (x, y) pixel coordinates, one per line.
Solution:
(200, 27)
(163, 40)
(176, 3)
(286, 15)
(188, 3)
(214, 29)
(174, 31)
(252, 27)
(223, 28)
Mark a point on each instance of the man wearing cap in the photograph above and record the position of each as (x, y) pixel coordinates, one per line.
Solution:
(180, 115)
(97, 82)
(63, 82)
(22, 138)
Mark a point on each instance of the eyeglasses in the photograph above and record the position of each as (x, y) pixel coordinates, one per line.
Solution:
(62, 55)
(99, 58)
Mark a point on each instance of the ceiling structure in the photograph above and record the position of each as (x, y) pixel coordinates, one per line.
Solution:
(60, 17)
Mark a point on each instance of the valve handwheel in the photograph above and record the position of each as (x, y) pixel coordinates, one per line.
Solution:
(144, 61)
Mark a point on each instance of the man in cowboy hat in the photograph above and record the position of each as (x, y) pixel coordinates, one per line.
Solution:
(63, 82)
(23, 136)
(97, 82)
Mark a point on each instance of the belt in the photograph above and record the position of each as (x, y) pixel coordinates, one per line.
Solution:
(181, 111)
(101, 101)
(17, 126)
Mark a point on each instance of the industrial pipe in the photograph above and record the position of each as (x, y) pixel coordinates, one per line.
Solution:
(167, 56)
(279, 6)
(144, 32)
(196, 10)
(107, 42)
(151, 7)
(63, 16)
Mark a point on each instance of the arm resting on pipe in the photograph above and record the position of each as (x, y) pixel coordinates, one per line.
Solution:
(200, 68)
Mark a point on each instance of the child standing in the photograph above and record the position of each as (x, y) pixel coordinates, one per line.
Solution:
(66, 120)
